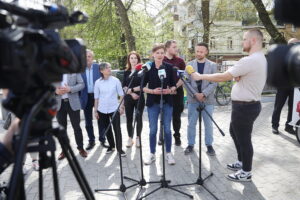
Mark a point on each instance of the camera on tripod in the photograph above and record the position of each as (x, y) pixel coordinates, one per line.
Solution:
(284, 60)
(33, 55)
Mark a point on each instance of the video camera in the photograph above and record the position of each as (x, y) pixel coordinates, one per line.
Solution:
(32, 54)
(284, 60)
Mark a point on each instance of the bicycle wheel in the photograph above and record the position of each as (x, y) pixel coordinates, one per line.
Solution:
(223, 95)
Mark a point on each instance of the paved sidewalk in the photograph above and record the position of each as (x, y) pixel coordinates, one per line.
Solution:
(276, 166)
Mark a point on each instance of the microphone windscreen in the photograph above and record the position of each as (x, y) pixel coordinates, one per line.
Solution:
(138, 67)
(189, 69)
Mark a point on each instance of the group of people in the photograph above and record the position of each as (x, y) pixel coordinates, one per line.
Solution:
(98, 93)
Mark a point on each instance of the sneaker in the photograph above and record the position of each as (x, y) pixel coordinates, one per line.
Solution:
(137, 142)
(35, 165)
(110, 150)
(170, 159)
(123, 154)
(83, 153)
(188, 150)
(275, 130)
(159, 142)
(210, 151)
(235, 166)
(177, 141)
(290, 130)
(129, 143)
(104, 145)
(150, 159)
(240, 176)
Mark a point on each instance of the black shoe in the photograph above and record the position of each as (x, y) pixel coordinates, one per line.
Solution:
(90, 146)
(159, 142)
(110, 150)
(104, 145)
(188, 150)
(123, 154)
(210, 151)
(275, 130)
(177, 141)
(290, 130)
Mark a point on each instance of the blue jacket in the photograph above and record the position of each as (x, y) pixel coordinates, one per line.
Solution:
(84, 92)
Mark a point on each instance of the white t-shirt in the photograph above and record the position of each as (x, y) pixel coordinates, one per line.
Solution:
(107, 92)
(253, 72)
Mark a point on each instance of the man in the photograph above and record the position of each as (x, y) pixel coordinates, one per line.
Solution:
(251, 74)
(204, 95)
(68, 103)
(178, 106)
(281, 96)
(89, 76)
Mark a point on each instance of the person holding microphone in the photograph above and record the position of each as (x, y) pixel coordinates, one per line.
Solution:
(154, 91)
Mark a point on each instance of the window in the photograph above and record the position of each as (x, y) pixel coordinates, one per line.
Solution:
(229, 43)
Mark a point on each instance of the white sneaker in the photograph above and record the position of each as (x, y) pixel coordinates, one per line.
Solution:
(150, 159)
(137, 142)
(170, 159)
(129, 143)
(35, 165)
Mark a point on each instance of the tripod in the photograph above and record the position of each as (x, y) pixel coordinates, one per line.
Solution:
(46, 143)
(164, 183)
(200, 180)
(122, 187)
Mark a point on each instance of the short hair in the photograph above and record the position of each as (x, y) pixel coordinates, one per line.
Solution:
(169, 43)
(158, 46)
(90, 51)
(257, 33)
(128, 65)
(104, 65)
(202, 44)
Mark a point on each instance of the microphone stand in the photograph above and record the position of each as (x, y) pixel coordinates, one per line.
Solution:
(122, 187)
(200, 180)
(164, 183)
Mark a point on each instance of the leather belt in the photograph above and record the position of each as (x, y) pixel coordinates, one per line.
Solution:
(245, 102)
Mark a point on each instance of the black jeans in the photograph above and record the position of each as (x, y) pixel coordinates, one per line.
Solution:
(130, 106)
(105, 121)
(241, 125)
(280, 99)
(61, 116)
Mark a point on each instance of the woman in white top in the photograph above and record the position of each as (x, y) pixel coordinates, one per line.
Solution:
(107, 89)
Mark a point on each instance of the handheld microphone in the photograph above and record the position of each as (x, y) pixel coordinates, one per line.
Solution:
(189, 69)
(178, 72)
(144, 68)
(134, 72)
(162, 72)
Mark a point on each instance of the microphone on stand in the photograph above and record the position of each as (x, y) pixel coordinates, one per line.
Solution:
(144, 68)
(162, 72)
(136, 70)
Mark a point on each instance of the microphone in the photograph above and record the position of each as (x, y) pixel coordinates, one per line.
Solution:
(137, 68)
(189, 69)
(144, 68)
(162, 72)
(178, 72)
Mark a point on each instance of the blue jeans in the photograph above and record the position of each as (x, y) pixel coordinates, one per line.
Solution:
(193, 116)
(153, 113)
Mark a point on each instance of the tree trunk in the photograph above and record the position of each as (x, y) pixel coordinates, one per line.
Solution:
(125, 23)
(268, 24)
(205, 19)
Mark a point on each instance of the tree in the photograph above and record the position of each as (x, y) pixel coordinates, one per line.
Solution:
(205, 19)
(265, 19)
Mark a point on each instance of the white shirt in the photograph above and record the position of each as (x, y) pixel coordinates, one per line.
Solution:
(253, 72)
(107, 92)
(63, 83)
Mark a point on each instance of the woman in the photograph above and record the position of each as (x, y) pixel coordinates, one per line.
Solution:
(132, 97)
(153, 101)
(106, 92)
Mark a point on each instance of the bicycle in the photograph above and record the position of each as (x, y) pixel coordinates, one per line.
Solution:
(222, 93)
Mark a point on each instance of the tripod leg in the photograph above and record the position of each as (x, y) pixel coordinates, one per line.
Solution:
(191, 196)
(41, 183)
(55, 179)
(160, 187)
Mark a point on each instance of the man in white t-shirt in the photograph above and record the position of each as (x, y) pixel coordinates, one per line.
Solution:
(250, 73)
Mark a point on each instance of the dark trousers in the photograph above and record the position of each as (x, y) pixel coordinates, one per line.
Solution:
(280, 99)
(241, 125)
(130, 106)
(105, 121)
(88, 115)
(61, 116)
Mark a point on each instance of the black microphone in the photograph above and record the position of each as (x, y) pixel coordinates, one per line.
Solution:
(145, 68)
(162, 72)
